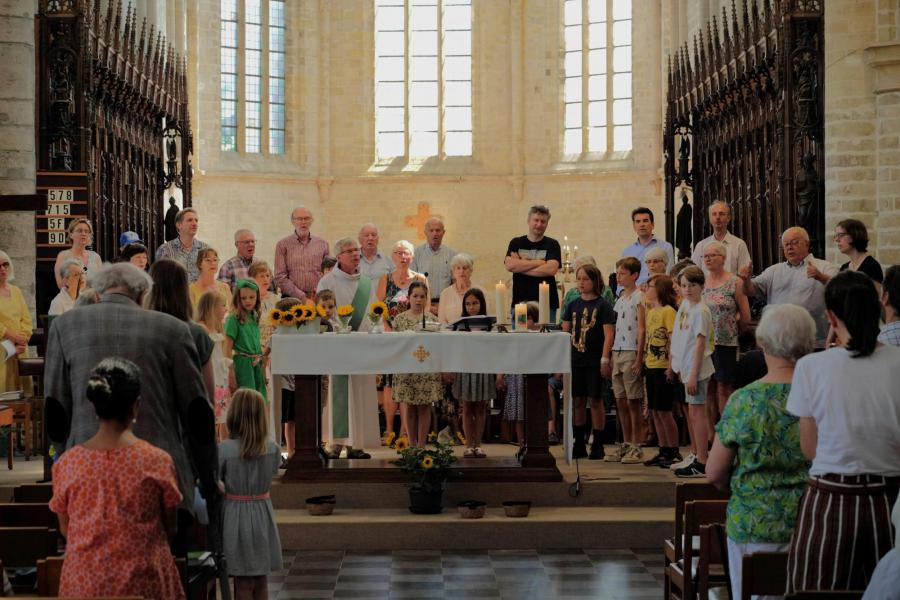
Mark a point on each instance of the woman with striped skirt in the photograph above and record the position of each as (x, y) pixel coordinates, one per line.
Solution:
(848, 402)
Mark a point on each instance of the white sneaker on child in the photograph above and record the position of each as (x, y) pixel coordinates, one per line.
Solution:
(688, 460)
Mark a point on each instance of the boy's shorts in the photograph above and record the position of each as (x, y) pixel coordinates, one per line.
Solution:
(626, 384)
(700, 396)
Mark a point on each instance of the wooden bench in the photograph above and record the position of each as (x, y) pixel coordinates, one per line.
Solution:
(24, 546)
(763, 573)
(683, 573)
(33, 492)
(27, 514)
(7, 419)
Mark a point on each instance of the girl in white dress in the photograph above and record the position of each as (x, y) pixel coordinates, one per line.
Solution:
(211, 311)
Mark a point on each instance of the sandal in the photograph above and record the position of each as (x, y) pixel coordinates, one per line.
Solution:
(470, 453)
(479, 453)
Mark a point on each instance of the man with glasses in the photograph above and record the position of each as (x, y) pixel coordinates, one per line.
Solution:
(738, 255)
(185, 247)
(799, 280)
(237, 266)
(298, 258)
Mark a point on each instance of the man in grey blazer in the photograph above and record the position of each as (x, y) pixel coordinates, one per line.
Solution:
(174, 413)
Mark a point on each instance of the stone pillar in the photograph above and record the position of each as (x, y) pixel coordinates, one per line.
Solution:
(17, 154)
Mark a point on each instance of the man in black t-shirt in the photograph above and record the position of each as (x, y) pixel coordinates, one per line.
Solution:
(534, 258)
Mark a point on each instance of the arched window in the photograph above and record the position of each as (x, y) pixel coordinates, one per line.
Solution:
(597, 89)
(252, 76)
(423, 78)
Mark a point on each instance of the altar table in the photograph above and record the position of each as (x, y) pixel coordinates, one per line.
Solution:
(529, 353)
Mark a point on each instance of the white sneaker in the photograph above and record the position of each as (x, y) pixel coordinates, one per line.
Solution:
(688, 460)
(633, 456)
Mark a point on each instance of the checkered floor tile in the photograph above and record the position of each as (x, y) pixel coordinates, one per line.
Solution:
(470, 575)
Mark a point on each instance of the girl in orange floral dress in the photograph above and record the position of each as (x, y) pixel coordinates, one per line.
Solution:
(115, 496)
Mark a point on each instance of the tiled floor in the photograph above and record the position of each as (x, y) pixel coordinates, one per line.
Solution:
(603, 574)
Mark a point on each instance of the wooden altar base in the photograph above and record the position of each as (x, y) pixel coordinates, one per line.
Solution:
(537, 462)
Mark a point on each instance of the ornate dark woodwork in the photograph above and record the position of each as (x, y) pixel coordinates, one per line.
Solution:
(113, 107)
(745, 112)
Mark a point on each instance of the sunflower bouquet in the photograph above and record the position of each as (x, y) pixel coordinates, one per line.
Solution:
(344, 314)
(378, 311)
(428, 468)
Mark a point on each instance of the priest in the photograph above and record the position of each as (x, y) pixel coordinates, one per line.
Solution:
(351, 415)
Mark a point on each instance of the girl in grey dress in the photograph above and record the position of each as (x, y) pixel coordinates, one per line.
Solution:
(247, 463)
(473, 391)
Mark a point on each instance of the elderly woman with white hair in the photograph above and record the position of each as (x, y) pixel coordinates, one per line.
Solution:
(730, 309)
(72, 273)
(450, 307)
(757, 452)
(15, 329)
(393, 288)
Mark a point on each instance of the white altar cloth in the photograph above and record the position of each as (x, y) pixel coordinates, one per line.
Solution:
(426, 352)
(421, 352)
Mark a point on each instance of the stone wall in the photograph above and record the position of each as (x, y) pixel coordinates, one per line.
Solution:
(17, 160)
(516, 162)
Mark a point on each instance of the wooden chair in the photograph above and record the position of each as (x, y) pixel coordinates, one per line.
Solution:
(826, 595)
(711, 557)
(49, 571)
(24, 546)
(686, 492)
(27, 514)
(33, 414)
(7, 420)
(763, 573)
(682, 574)
(33, 492)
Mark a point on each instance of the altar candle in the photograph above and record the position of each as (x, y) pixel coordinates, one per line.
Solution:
(521, 316)
(502, 307)
(544, 302)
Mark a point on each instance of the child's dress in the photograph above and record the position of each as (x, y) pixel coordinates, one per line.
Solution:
(416, 388)
(248, 364)
(250, 536)
(117, 543)
(220, 373)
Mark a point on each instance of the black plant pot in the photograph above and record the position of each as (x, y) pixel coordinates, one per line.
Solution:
(425, 503)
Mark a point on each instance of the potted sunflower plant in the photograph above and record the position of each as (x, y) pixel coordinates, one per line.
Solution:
(428, 468)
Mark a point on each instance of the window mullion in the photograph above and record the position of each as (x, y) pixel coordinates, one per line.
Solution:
(585, 75)
(610, 46)
(264, 78)
(440, 78)
(240, 83)
(406, 82)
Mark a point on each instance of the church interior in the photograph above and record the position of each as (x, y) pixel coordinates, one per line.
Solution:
(288, 123)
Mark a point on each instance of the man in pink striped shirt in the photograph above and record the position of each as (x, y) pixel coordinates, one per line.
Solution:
(298, 258)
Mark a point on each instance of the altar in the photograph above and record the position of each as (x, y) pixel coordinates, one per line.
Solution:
(532, 354)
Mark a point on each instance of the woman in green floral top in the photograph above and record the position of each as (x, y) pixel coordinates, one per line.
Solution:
(757, 447)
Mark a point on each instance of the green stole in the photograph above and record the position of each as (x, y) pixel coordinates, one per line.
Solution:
(340, 384)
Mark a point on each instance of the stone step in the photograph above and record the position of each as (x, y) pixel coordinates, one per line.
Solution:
(546, 527)
(596, 492)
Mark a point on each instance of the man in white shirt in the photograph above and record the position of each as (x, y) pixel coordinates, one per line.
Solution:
(432, 259)
(372, 263)
(799, 280)
(737, 255)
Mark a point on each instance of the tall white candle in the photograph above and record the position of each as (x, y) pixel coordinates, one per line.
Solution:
(501, 303)
(521, 316)
(544, 302)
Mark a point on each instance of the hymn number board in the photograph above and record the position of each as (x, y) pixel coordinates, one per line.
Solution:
(66, 195)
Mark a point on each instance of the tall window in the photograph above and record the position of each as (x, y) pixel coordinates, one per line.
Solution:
(597, 91)
(252, 75)
(423, 78)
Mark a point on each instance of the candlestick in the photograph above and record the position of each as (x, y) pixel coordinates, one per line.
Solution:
(500, 301)
(521, 322)
(543, 302)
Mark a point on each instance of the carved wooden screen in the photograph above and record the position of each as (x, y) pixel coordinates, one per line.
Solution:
(744, 114)
(113, 125)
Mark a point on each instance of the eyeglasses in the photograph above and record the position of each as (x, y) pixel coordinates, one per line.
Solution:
(705, 256)
(792, 243)
(246, 241)
(4, 264)
(349, 251)
(302, 219)
(838, 236)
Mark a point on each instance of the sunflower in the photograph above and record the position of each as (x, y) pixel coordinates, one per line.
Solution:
(287, 317)
(427, 462)
(345, 310)
(275, 315)
(321, 311)
(401, 444)
(378, 309)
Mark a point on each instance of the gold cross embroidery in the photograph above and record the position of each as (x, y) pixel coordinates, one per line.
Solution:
(421, 354)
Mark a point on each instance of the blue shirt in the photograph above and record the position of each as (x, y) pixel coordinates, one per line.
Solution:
(890, 334)
(638, 251)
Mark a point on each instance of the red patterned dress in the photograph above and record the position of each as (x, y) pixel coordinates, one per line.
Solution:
(116, 543)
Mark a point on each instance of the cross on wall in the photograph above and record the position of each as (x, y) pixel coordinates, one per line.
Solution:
(418, 220)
